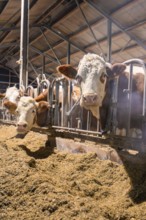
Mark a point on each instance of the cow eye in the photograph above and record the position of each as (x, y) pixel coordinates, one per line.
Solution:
(78, 79)
(33, 111)
(5, 99)
(17, 112)
(18, 98)
(102, 77)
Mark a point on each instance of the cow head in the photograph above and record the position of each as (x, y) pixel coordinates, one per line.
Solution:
(29, 113)
(92, 76)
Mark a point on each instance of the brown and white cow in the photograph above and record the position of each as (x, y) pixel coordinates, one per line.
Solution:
(11, 98)
(91, 76)
(96, 80)
(29, 111)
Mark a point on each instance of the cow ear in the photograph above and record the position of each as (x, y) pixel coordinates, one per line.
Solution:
(10, 106)
(118, 69)
(2, 95)
(67, 70)
(115, 70)
(42, 106)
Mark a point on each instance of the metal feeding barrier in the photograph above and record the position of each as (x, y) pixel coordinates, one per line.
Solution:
(68, 119)
(132, 64)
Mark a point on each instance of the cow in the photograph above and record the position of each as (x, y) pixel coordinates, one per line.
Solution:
(96, 78)
(28, 111)
(92, 78)
(93, 84)
(11, 98)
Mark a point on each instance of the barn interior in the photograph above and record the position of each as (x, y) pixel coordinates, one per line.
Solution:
(63, 31)
(61, 172)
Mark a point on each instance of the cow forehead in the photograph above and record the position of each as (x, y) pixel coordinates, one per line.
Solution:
(91, 62)
(92, 58)
(27, 102)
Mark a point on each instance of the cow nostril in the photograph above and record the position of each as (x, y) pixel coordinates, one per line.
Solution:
(22, 125)
(84, 99)
(25, 125)
(94, 98)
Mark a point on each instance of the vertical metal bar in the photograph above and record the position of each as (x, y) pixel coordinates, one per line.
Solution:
(64, 103)
(51, 98)
(43, 66)
(88, 120)
(24, 38)
(68, 53)
(144, 94)
(57, 110)
(144, 110)
(9, 77)
(70, 87)
(114, 101)
(129, 97)
(109, 38)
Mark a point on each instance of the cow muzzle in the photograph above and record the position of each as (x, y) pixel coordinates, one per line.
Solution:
(89, 99)
(22, 127)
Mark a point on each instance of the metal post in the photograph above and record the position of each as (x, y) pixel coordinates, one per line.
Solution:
(24, 38)
(64, 103)
(144, 93)
(144, 110)
(9, 78)
(88, 120)
(70, 87)
(129, 98)
(57, 110)
(114, 100)
(68, 54)
(109, 37)
(43, 68)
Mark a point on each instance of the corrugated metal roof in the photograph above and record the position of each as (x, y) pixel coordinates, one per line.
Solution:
(56, 23)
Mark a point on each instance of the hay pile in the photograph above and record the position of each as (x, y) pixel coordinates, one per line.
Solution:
(39, 183)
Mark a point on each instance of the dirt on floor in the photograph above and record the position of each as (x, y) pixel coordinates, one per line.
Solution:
(40, 183)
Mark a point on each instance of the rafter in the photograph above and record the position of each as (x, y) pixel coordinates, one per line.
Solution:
(103, 13)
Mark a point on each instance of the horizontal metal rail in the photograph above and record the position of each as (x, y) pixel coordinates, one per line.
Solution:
(116, 142)
(78, 130)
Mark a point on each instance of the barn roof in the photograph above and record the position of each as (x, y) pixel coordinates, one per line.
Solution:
(81, 25)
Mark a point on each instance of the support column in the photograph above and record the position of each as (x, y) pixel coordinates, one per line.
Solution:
(24, 41)
(43, 66)
(109, 37)
(70, 101)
